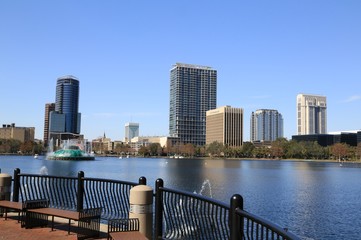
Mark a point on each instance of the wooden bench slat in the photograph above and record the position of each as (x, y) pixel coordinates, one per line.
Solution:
(132, 235)
(6, 204)
(11, 205)
(73, 215)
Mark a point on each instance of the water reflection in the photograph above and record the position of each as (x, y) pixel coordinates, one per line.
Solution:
(316, 200)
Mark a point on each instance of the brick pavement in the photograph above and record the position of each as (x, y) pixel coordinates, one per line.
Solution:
(11, 229)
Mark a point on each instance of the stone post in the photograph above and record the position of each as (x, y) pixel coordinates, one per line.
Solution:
(141, 207)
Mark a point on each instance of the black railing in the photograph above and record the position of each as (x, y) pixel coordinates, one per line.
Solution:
(178, 214)
(61, 191)
(76, 193)
(184, 215)
(257, 228)
(111, 195)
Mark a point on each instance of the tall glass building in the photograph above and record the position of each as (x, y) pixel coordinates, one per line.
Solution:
(193, 91)
(266, 125)
(311, 114)
(66, 117)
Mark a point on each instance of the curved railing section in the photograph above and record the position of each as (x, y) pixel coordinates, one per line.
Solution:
(255, 227)
(178, 214)
(111, 195)
(76, 193)
(184, 215)
(61, 191)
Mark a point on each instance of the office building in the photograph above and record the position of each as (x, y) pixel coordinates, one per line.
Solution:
(49, 107)
(65, 120)
(193, 91)
(266, 125)
(131, 131)
(311, 114)
(22, 134)
(347, 137)
(225, 125)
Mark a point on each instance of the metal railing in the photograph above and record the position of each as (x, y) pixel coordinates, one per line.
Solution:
(111, 195)
(184, 215)
(76, 193)
(61, 191)
(178, 214)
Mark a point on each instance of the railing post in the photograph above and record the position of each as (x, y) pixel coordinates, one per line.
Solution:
(142, 180)
(236, 222)
(80, 193)
(158, 209)
(16, 186)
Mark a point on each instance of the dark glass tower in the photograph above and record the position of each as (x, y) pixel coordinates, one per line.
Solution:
(67, 103)
(193, 91)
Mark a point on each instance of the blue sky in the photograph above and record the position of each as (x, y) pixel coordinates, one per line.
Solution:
(265, 52)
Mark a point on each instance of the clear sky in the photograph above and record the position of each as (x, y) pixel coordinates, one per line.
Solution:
(265, 52)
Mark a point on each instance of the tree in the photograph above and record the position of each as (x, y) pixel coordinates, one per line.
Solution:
(118, 148)
(261, 152)
(247, 149)
(339, 150)
(214, 149)
(143, 151)
(295, 150)
(358, 150)
(27, 147)
(155, 149)
(189, 150)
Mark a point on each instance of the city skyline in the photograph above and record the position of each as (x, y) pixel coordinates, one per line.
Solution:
(265, 54)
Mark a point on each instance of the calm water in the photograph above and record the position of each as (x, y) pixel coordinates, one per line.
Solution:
(314, 200)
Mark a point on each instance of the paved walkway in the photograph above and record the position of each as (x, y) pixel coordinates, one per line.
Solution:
(11, 229)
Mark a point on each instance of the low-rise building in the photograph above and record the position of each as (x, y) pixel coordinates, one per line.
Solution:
(23, 134)
(351, 138)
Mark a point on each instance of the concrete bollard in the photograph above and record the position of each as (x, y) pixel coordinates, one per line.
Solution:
(5, 186)
(141, 207)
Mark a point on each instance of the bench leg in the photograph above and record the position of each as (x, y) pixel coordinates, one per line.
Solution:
(52, 223)
(69, 227)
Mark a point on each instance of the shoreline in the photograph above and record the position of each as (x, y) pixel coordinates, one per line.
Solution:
(216, 158)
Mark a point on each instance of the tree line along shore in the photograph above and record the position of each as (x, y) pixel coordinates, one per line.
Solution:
(279, 149)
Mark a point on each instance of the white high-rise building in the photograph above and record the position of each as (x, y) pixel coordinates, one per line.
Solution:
(311, 114)
(131, 131)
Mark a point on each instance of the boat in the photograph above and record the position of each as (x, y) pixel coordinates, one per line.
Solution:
(36, 156)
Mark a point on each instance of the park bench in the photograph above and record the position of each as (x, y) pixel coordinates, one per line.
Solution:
(38, 211)
(7, 205)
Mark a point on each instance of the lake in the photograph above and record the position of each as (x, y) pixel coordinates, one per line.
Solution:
(314, 200)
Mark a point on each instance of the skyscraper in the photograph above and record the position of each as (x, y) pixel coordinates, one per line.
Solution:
(131, 131)
(266, 125)
(225, 125)
(49, 107)
(193, 91)
(66, 118)
(311, 114)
